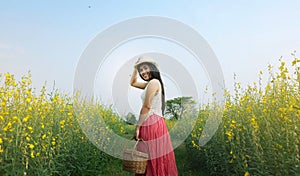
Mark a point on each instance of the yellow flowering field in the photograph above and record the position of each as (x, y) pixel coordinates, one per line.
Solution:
(40, 134)
(260, 129)
(258, 134)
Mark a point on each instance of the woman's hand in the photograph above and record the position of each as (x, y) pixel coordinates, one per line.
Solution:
(137, 133)
(136, 63)
(138, 60)
(133, 80)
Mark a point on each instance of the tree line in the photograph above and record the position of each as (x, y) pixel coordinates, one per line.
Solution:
(175, 108)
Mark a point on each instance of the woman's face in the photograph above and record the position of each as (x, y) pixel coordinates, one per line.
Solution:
(144, 70)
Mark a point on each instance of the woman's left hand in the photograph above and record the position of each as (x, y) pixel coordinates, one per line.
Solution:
(137, 134)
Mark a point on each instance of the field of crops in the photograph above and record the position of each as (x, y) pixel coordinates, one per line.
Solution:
(260, 130)
(259, 133)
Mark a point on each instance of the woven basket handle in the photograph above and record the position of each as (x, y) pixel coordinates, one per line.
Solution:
(141, 139)
(137, 141)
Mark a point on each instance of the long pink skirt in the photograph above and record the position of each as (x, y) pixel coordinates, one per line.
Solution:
(162, 160)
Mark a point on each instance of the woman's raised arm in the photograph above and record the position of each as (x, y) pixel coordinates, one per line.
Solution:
(134, 82)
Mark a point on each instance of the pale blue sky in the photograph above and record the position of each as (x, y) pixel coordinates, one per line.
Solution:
(48, 37)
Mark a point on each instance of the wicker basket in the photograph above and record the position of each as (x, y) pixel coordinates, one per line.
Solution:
(135, 161)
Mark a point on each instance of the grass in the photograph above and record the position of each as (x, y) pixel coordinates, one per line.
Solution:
(187, 163)
(183, 162)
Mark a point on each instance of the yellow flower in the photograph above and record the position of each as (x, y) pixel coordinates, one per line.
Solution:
(1, 141)
(28, 139)
(264, 110)
(246, 173)
(26, 119)
(7, 75)
(15, 118)
(248, 109)
(254, 123)
(28, 100)
(32, 154)
(62, 122)
(229, 134)
(8, 126)
(44, 136)
(282, 64)
(30, 129)
(31, 146)
(295, 61)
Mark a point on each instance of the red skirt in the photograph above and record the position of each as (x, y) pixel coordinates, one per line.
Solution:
(162, 160)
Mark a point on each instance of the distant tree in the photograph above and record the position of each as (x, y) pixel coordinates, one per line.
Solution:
(130, 118)
(176, 107)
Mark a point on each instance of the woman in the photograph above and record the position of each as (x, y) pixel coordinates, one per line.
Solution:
(151, 126)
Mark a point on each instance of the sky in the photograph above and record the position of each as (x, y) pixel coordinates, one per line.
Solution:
(49, 37)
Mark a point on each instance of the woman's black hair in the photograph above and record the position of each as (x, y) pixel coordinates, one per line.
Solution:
(155, 74)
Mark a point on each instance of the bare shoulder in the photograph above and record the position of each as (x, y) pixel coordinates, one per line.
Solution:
(154, 82)
(154, 85)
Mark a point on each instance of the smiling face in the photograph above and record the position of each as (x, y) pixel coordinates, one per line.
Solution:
(144, 71)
